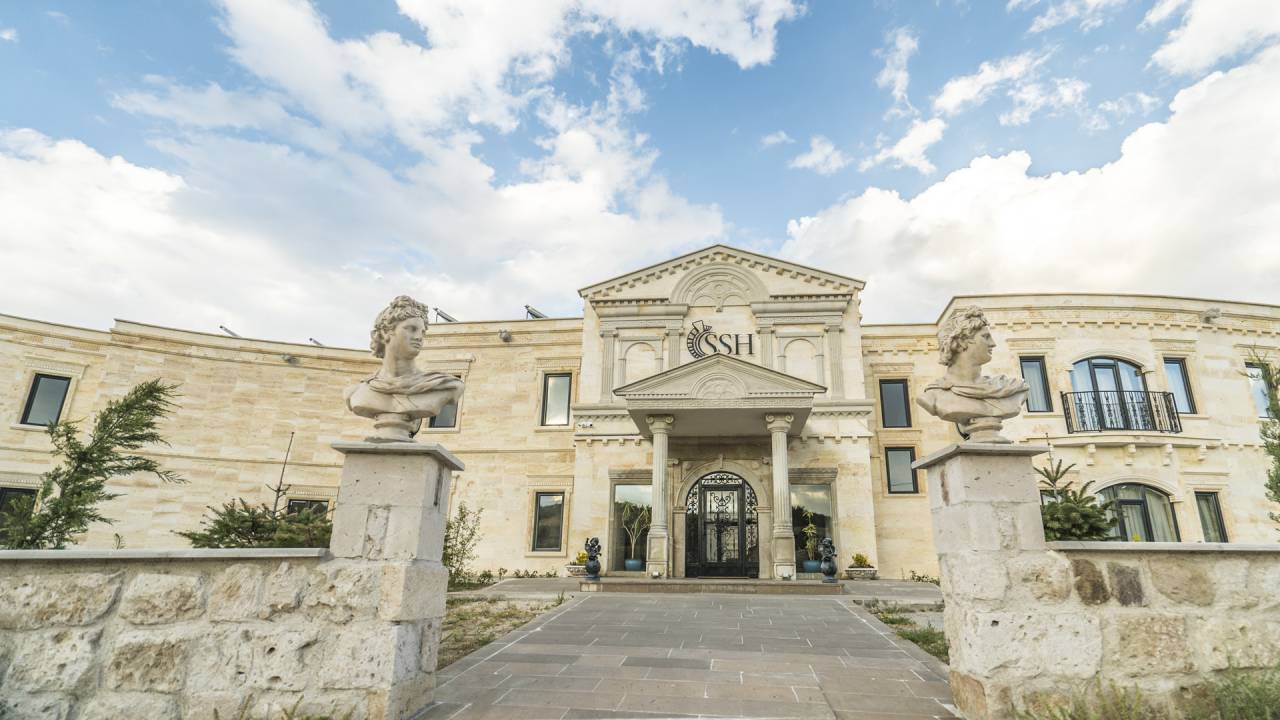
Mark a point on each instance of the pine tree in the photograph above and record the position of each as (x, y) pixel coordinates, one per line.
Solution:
(1070, 514)
(69, 495)
(237, 524)
(1270, 430)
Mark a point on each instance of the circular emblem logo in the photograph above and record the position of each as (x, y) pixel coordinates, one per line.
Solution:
(694, 341)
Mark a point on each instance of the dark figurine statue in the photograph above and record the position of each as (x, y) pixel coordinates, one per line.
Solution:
(828, 550)
(593, 558)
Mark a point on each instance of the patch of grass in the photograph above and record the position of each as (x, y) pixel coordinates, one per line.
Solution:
(928, 639)
(473, 622)
(1233, 695)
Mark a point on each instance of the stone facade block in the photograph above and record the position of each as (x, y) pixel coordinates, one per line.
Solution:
(1147, 644)
(54, 661)
(343, 591)
(370, 655)
(114, 706)
(1227, 641)
(154, 599)
(1030, 643)
(1046, 578)
(979, 576)
(45, 706)
(1182, 580)
(147, 662)
(1126, 583)
(1090, 586)
(412, 591)
(279, 658)
(1264, 578)
(236, 594)
(42, 601)
(221, 660)
(283, 589)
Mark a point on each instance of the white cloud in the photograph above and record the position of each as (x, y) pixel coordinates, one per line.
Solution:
(1091, 13)
(900, 45)
(1030, 98)
(1212, 30)
(910, 150)
(1189, 208)
(57, 16)
(970, 90)
(823, 157)
(776, 138)
(1121, 109)
(278, 219)
(8, 35)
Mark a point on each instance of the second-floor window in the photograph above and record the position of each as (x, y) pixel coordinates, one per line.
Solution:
(1111, 394)
(44, 402)
(899, 475)
(895, 408)
(1258, 388)
(1175, 371)
(1038, 382)
(555, 398)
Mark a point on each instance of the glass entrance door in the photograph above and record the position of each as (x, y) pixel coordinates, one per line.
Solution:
(722, 534)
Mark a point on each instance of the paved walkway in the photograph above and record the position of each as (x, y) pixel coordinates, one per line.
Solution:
(650, 656)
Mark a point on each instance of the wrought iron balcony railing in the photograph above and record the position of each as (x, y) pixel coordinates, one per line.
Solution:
(1102, 410)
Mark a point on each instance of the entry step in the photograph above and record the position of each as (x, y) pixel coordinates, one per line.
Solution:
(734, 586)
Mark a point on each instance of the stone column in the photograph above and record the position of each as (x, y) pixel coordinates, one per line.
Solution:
(673, 347)
(784, 543)
(766, 345)
(989, 537)
(389, 521)
(607, 343)
(836, 355)
(659, 537)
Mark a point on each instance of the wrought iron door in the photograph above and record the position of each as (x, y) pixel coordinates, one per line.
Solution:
(722, 535)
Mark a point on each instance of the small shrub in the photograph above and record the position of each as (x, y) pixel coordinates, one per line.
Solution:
(486, 577)
(581, 558)
(920, 577)
(929, 639)
(551, 574)
(502, 573)
(1070, 514)
(461, 533)
(861, 561)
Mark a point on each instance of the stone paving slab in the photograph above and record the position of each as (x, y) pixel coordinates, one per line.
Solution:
(650, 656)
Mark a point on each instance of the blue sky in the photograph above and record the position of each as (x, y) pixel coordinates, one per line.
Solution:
(258, 164)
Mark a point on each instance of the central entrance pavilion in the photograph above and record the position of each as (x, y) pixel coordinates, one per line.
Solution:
(736, 519)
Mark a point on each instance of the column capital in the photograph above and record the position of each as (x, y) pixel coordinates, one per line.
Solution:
(765, 329)
(660, 423)
(673, 331)
(779, 423)
(608, 332)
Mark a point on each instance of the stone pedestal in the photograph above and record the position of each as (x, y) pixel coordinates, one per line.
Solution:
(393, 503)
(985, 506)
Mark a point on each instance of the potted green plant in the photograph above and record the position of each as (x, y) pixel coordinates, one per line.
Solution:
(635, 522)
(813, 564)
(577, 568)
(860, 569)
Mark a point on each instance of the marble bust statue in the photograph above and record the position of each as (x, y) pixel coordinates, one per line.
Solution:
(976, 403)
(400, 395)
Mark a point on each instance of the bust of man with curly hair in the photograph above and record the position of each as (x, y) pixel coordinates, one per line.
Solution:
(400, 395)
(978, 404)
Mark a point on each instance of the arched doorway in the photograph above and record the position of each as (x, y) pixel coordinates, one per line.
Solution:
(722, 530)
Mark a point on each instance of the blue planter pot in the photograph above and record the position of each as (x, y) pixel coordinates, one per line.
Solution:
(812, 565)
(633, 564)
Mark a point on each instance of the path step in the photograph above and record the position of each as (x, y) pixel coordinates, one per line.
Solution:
(732, 586)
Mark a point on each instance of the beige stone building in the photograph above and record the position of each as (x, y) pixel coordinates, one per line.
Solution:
(738, 396)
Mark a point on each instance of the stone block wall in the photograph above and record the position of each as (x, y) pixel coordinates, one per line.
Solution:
(1031, 623)
(182, 635)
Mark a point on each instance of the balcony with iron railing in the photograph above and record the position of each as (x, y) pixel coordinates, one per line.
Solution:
(1106, 410)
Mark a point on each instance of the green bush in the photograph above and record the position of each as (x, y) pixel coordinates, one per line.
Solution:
(1233, 695)
(1070, 514)
(461, 533)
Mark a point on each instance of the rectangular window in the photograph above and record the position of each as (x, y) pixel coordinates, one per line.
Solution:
(1175, 370)
(1259, 389)
(548, 520)
(555, 399)
(895, 410)
(811, 519)
(632, 515)
(1038, 399)
(897, 466)
(44, 403)
(447, 418)
(1211, 517)
(8, 496)
(317, 507)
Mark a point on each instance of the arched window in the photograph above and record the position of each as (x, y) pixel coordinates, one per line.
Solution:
(1145, 513)
(1111, 394)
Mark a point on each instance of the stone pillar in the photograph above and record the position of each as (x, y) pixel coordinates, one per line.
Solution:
(607, 344)
(393, 502)
(784, 543)
(673, 347)
(766, 345)
(659, 537)
(835, 354)
(988, 535)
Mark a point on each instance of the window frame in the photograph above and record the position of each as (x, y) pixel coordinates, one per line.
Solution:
(906, 401)
(289, 501)
(1147, 522)
(1044, 381)
(36, 377)
(1218, 518)
(533, 527)
(1266, 411)
(915, 474)
(428, 427)
(1181, 362)
(542, 403)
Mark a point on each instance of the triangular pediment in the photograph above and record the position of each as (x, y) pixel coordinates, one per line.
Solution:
(719, 377)
(744, 273)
